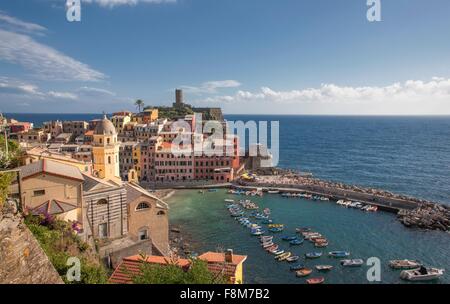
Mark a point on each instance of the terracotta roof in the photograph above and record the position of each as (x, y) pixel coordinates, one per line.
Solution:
(53, 207)
(130, 266)
(50, 167)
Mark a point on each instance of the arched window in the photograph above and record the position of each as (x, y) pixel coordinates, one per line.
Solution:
(109, 159)
(142, 206)
(160, 213)
(102, 202)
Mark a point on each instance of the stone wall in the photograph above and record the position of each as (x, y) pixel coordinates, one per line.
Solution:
(22, 260)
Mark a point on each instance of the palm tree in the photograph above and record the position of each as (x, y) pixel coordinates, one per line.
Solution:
(139, 103)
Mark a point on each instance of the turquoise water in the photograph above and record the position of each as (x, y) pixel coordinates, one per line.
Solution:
(209, 226)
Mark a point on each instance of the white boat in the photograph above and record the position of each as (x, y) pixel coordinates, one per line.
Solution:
(340, 202)
(273, 191)
(422, 274)
(404, 264)
(352, 262)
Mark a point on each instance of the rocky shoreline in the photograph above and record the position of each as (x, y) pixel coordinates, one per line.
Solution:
(427, 216)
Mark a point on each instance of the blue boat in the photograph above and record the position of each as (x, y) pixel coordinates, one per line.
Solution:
(339, 254)
(296, 242)
(288, 238)
(276, 229)
(212, 190)
(297, 267)
(267, 221)
(313, 255)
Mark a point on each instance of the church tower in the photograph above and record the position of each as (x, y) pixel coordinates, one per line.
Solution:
(105, 150)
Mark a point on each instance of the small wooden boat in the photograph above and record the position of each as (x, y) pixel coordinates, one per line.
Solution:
(289, 238)
(339, 254)
(320, 244)
(303, 272)
(296, 242)
(422, 274)
(267, 245)
(257, 232)
(272, 248)
(277, 252)
(283, 256)
(266, 238)
(324, 267)
(304, 229)
(276, 230)
(273, 191)
(229, 200)
(297, 267)
(352, 262)
(292, 259)
(276, 226)
(404, 264)
(314, 281)
(313, 255)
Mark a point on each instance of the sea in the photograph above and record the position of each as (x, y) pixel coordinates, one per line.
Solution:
(402, 154)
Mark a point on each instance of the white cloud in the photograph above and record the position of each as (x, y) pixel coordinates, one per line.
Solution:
(211, 86)
(113, 3)
(62, 95)
(90, 91)
(10, 86)
(410, 97)
(46, 62)
(19, 25)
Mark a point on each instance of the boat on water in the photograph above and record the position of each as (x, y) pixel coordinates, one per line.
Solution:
(303, 272)
(266, 211)
(267, 221)
(289, 237)
(276, 229)
(352, 262)
(296, 242)
(283, 256)
(212, 190)
(272, 248)
(314, 281)
(277, 251)
(266, 238)
(321, 244)
(296, 267)
(404, 264)
(229, 200)
(324, 267)
(303, 229)
(267, 245)
(201, 191)
(422, 274)
(313, 255)
(292, 259)
(257, 232)
(339, 254)
(273, 191)
(275, 225)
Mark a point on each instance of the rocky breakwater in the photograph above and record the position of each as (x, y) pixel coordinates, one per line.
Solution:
(427, 216)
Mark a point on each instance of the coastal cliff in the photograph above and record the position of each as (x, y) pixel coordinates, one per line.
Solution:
(22, 260)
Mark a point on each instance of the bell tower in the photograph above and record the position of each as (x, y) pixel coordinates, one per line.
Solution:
(105, 150)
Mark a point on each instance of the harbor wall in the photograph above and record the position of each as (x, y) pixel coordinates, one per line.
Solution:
(384, 203)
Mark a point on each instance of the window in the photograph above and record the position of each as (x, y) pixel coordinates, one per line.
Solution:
(103, 230)
(109, 159)
(142, 206)
(160, 213)
(143, 235)
(38, 192)
(102, 202)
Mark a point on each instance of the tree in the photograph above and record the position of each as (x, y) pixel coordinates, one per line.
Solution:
(139, 104)
(9, 158)
(6, 179)
(172, 273)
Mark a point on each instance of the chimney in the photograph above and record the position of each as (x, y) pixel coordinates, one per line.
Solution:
(179, 96)
(229, 256)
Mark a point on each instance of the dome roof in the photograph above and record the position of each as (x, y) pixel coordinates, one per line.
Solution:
(105, 127)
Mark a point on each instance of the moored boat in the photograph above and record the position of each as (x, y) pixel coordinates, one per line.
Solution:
(339, 254)
(422, 274)
(289, 237)
(404, 264)
(314, 281)
(296, 267)
(303, 272)
(324, 267)
(313, 255)
(283, 256)
(292, 259)
(352, 262)
(296, 242)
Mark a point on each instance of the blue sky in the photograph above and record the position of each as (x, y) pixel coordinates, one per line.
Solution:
(248, 56)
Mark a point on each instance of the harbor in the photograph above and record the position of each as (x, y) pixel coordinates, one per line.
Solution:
(204, 216)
